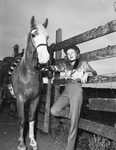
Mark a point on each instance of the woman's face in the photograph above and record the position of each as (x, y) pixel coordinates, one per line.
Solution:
(71, 54)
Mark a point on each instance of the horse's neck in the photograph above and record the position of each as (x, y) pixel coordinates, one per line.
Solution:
(28, 60)
(28, 70)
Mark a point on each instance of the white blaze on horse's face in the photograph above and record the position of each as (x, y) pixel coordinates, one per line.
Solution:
(39, 39)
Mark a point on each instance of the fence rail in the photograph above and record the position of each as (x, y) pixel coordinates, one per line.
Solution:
(108, 28)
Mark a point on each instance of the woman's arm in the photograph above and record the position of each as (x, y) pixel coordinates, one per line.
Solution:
(88, 71)
(57, 68)
(87, 68)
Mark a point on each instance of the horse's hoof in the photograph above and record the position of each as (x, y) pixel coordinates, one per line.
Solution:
(35, 148)
(21, 147)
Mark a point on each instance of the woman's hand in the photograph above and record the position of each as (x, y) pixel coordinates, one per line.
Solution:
(84, 77)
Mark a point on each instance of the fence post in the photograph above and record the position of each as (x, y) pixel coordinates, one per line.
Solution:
(58, 56)
(46, 125)
(47, 107)
(58, 39)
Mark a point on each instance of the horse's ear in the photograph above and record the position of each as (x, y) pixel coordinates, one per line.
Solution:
(32, 22)
(45, 24)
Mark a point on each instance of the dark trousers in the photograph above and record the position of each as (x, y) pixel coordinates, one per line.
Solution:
(72, 96)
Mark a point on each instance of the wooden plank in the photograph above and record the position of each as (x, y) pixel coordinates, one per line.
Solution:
(108, 28)
(47, 107)
(103, 78)
(98, 128)
(95, 79)
(58, 81)
(40, 122)
(58, 56)
(99, 54)
(103, 104)
(40, 117)
(94, 127)
(58, 39)
(40, 126)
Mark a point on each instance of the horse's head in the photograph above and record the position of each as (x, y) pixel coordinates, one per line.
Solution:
(38, 38)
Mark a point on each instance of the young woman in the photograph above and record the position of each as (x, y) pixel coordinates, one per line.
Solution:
(76, 72)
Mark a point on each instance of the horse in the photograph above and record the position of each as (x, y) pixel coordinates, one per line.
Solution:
(26, 78)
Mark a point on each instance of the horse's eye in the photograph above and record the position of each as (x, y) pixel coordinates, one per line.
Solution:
(33, 35)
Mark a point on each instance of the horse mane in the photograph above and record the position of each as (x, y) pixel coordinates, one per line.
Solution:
(28, 51)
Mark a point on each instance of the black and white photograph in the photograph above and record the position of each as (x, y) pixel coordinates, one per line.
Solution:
(57, 75)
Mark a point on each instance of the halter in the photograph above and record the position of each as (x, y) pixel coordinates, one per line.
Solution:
(42, 44)
(39, 66)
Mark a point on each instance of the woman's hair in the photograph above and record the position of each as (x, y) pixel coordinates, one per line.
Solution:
(72, 47)
(76, 64)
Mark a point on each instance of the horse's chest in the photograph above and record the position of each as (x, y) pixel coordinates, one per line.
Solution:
(27, 85)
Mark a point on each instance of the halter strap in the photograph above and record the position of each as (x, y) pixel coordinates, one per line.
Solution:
(42, 44)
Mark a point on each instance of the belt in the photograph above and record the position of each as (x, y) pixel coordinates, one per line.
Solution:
(72, 81)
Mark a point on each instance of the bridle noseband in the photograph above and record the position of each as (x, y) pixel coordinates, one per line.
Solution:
(41, 45)
(38, 66)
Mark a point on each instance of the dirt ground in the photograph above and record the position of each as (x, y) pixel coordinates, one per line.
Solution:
(55, 140)
(9, 131)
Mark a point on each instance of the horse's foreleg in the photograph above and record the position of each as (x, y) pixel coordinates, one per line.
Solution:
(33, 107)
(33, 143)
(20, 107)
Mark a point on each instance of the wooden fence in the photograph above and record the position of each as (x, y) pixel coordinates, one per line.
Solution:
(96, 104)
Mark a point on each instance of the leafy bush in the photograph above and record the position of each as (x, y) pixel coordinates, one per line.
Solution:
(101, 143)
(113, 145)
